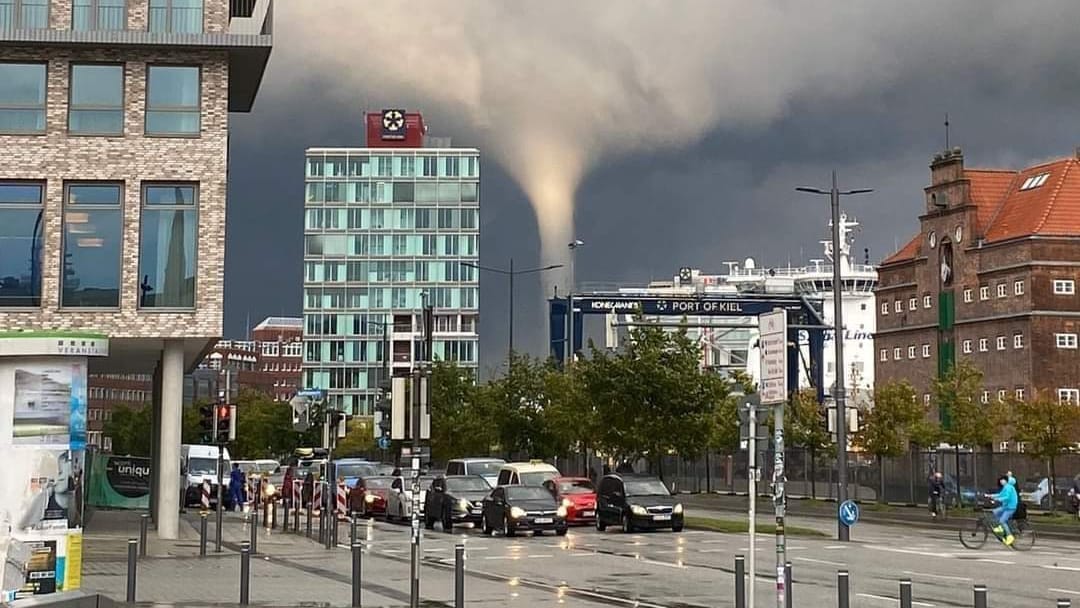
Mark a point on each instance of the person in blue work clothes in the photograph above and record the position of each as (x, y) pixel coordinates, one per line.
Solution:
(236, 487)
(1008, 500)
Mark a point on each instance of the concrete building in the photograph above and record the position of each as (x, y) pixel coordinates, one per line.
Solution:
(387, 226)
(990, 277)
(114, 122)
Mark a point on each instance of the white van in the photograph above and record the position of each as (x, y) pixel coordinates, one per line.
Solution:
(488, 468)
(198, 462)
(532, 473)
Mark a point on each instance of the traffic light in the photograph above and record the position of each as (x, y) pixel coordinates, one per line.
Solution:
(226, 426)
(383, 412)
(206, 423)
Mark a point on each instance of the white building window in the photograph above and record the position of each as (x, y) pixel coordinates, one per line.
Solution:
(896, 354)
(884, 308)
(1069, 395)
(967, 347)
(898, 306)
(926, 301)
(1001, 395)
(926, 351)
(984, 345)
(1018, 288)
(1001, 342)
(1064, 287)
(985, 397)
(1065, 340)
(1018, 340)
(1020, 394)
(967, 296)
(912, 303)
(884, 354)
(984, 292)
(1001, 290)
(926, 398)
(911, 352)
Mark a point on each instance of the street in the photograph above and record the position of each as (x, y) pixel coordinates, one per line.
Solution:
(693, 568)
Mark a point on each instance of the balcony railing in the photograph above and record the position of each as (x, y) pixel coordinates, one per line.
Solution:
(90, 16)
(24, 14)
(168, 17)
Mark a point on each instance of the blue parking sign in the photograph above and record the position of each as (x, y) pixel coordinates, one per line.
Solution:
(848, 513)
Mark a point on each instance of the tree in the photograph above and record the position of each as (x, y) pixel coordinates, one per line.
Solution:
(805, 427)
(129, 427)
(885, 429)
(359, 438)
(970, 422)
(1047, 427)
(461, 417)
(264, 428)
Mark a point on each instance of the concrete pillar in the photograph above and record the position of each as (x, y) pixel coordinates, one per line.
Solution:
(172, 402)
(155, 432)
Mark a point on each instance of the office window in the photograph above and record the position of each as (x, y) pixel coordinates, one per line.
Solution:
(925, 351)
(1065, 340)
(1018, 340)
(21, 241)
(22, 95)
(1020, 394)
(1001, 290)
(93, 237)
(176, 16)
(1069, 395)
(884, 354)
(1062, 287)
(985, 398)
(926, 301)
(967, 296)
(911, 352)
(984, 292)
(97, 15)
(1001, 342)
(984, 345)
(97, 100)
(898, 306)
(896, 354)
(1018, 288)
(167, 248)
(884, 308)
(429, 166)
(1001, 395)
(172, 100)
(967, 347)
(913, 303)
(24, 15)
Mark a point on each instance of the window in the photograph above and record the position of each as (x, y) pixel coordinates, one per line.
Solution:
(1001, 290)
(24, 15)
(176, 16)
(21, 242)
(1069, 395)
(1018, 288)
(911, 352)
(1065, 340)
(912, 303)
(884, 308)
(967, 296)
(967, 347)
(984, 292)
(926, 301)
(97, 100)
(925, 351)
(22, 95)
(884, 354)
(985, 398)
(1020, 394)
(90, 15)
(984, 345)
(167, 248)
(926, 398)
(429, 166)
(1018, 340)
(898, 306)
(93, 237)
(1064, 287)
(172, 100)
(1001, 342)
(1001, 395)
(1035, 181)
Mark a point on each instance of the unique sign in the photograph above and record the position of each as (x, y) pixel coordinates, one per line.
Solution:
(772, 330)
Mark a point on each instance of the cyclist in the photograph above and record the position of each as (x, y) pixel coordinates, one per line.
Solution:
(1007, 500)
(936, 486)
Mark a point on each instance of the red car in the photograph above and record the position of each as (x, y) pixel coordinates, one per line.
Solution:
(578, 495)
(367, 498)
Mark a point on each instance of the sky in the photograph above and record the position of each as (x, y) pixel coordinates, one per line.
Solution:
(662, 133)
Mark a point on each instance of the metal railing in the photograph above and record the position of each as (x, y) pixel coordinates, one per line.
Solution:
(24, 14)
(98, 18)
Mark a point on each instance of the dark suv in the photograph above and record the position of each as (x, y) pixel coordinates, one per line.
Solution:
(636, 502)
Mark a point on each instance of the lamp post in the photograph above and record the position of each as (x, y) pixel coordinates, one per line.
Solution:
(573, 246)
(510, 273)
(839, 395)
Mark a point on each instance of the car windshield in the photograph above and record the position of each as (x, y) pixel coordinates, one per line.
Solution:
(378, 483)
(201, 466)
(484, 468)
(527, 493)
(537, 478)
(646, 487)
(355, 469)
(576, 486)
(467, 484)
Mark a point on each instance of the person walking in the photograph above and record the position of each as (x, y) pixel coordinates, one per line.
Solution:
(936, 489)
(236, 487)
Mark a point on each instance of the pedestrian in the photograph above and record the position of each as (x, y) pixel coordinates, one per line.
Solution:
(936, 489)
(309, 487)
(236, 487)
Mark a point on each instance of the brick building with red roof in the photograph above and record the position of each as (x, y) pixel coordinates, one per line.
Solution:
(991, 278)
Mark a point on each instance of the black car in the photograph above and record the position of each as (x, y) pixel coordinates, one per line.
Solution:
(636, 502)
(516, 509)
(455, 499)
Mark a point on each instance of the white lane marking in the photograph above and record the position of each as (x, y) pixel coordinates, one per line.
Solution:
(537, 556)
(836, 546)
(1065, 591)
(1057, 567)
(817, 561)
(712, 550)
(995, 561)
(715, 542)
(910, 551)
(892, 600)
(941, 576)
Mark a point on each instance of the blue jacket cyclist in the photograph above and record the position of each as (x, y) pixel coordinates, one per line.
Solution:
(1008, 500)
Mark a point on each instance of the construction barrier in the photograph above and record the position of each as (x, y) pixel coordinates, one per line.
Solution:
(342, 502)
(204, 498)
(317, 498)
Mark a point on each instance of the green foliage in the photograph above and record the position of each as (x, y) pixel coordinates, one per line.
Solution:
(461, 414)
(804, 422)
(359, 438)
(1047, 427)
(886, 429)
(130, 430)
(264, 428)
(972, 423)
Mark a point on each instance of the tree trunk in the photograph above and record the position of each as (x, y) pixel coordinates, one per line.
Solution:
(1050, 484)
(813, 472)
(708, 474)
(913, 470)
(959, 494)
(881, 479)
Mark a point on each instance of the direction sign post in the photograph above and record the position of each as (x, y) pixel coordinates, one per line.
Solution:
(848, 513)
(772, 332)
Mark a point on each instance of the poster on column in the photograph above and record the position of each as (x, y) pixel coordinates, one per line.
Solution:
(53, 498)
(43, 405)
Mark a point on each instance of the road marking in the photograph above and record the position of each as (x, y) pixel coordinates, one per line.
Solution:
(995, 561)
(715, 542)
(818, 561)
(537, 556)
(1057, 567)
(911, 551)
(941, 576)
(712, 550)
(892, 600)
(1066, 591)
(836, 546)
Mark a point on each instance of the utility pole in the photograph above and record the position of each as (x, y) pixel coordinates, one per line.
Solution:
(421, 375)
(753, 470)
(573, 246)
(779, 499)
(220, 460)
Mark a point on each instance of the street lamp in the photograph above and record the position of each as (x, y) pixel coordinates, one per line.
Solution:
(839, 395)
(511, 273)
(573, 246)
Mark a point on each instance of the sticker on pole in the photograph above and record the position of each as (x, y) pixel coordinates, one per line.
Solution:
(848, 513)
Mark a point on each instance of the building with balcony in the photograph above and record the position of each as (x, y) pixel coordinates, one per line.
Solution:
(114, 122)
(991, 278)
(387, 226)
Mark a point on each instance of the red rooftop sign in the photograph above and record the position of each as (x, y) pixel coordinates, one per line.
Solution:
(394, 128)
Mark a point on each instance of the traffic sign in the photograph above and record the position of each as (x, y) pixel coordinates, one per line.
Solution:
(848, 513)
(312, 393)
(772, 332)
(383, 442)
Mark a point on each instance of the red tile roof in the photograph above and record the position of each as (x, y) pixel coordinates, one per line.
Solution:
(1005, 210)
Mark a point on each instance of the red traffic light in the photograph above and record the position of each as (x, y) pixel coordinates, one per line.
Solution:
(223, 412)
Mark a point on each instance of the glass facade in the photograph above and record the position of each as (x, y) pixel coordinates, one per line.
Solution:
(93, 243)
(22, 96)
(21, 241)
(176, 16)
(167, 246)
(24, 14)
(383, 230)
(97, 99)
(97, 15)
(172, 100)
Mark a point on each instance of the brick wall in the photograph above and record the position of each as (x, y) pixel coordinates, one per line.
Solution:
(132, 158)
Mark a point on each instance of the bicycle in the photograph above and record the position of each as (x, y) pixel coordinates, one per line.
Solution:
(974, 534)
(937, 507)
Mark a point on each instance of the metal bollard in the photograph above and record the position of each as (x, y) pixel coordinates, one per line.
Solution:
(245, 574)
(273, 515)
(787, 584)
(980, 596)
(254, 531)
(144, 525)
(202, 535)
(352, 527)
(285, 515)
(842, 588)
(740, 581)
(333, 532)
(322, 527)
(357, 572)
(308, 531)
(459, 576)
(905, 593)
(133, 551)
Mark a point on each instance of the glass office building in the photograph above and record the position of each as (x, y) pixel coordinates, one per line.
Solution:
(386, 229)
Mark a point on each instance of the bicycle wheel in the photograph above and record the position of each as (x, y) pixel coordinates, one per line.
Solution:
(1023, 535)
(974, 534)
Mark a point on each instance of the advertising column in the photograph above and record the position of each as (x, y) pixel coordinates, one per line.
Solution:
(43, 434)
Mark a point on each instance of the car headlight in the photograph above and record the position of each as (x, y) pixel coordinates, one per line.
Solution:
(677, 509)
(567, 503)
(561, 511)
(463, 504)
(369, 498)
(517, 512)
(638, 510)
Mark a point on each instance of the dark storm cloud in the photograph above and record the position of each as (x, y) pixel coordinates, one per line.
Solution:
(680, 134)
